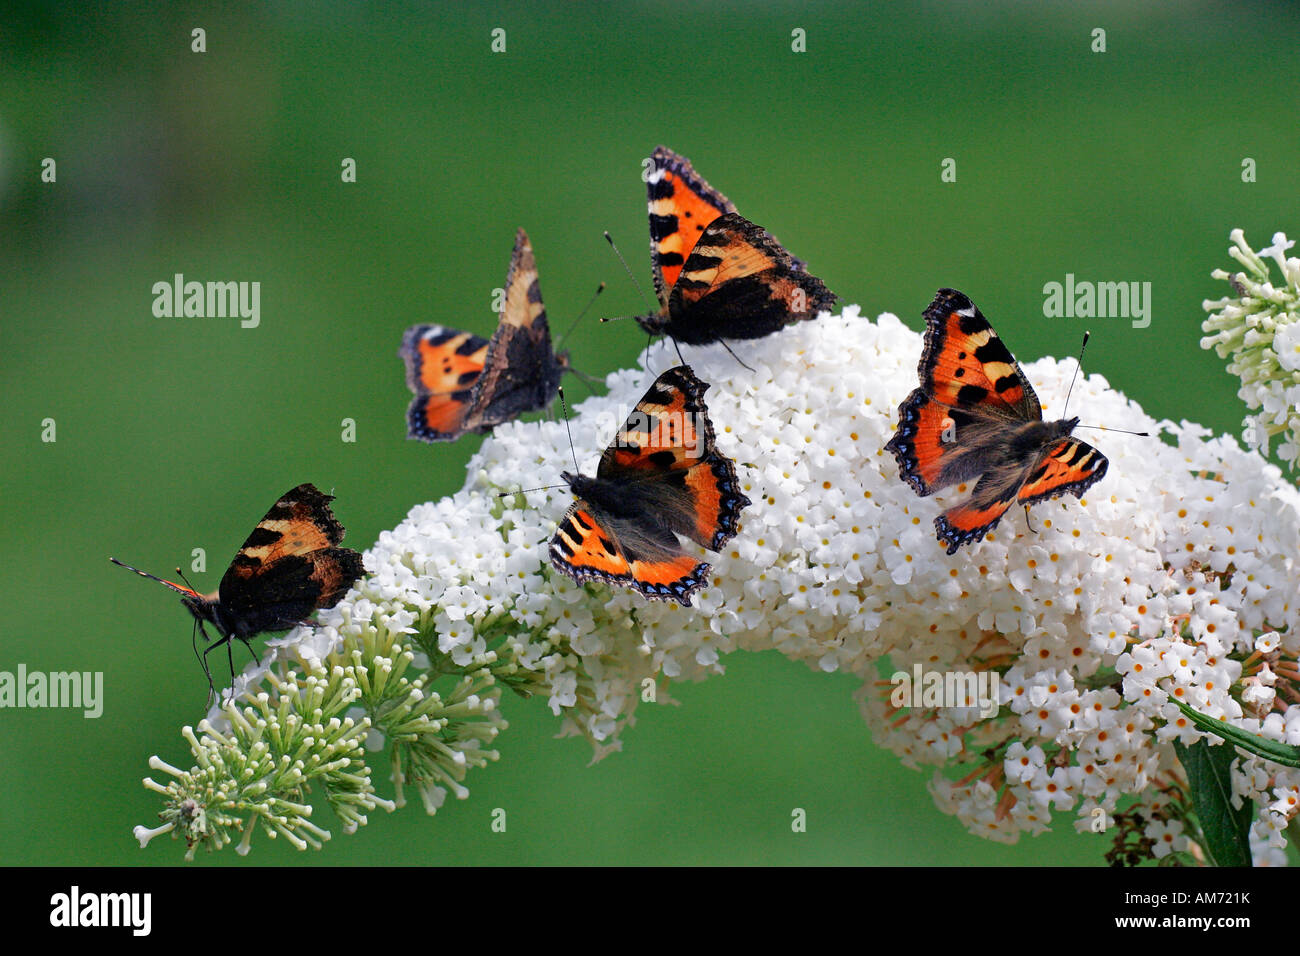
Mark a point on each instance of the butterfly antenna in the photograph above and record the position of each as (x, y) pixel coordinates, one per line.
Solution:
(610, 240)
(572, 450)
(524, 491)
(181, 575)
(152, 577)
(599, 289)
(1122, 431)
(143, 574)
(564, 405)
(1077, 365)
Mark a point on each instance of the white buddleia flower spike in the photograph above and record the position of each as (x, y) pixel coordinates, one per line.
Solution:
(1174, 575)
(1258, 327)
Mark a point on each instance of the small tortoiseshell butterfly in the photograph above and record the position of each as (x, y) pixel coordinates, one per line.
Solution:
(662, 476)
(288, 569)
(464, 383)
(717, 275)
(976, 416)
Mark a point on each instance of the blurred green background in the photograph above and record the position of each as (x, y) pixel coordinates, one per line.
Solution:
(178, 433)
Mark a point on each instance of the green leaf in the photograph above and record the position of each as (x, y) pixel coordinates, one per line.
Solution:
(1273, 750)
(1225, 830)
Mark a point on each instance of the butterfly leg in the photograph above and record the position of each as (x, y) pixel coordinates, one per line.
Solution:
(587, 380)
(202, 658)
(256, 659)
(724, 344)
(679, 352)
(230, 658)
(207, 671)
(649, 343)
(1028, 522)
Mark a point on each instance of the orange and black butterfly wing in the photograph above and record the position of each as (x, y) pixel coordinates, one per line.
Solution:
(975, 416)
(290, 566)
(681, 206)
(975, 517)
(657, 565)
(1064, 466)
(667, 449)
(442, 366)
(937, 446)
(920, 443)
(666, 477)
(586, 551)
(739, 283)
(964, 364)
(521, 372)
(971, 389)
(1069, 467)
(641, 554)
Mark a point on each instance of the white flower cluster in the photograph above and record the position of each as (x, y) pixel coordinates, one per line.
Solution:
(1176, 574)
(1260, 328)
